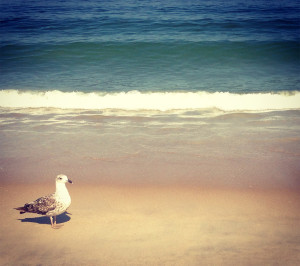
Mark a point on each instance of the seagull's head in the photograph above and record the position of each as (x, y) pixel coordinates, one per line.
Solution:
(63, 179)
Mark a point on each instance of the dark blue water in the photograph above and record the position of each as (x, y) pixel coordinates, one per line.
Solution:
(114, 46)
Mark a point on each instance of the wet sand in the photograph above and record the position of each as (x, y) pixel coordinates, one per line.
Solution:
(149, 225)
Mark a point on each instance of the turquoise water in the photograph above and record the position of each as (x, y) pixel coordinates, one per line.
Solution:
(150, 46)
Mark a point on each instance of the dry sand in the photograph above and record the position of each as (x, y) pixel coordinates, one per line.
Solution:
(127, 225)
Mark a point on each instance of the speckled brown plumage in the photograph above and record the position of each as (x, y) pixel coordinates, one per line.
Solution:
(41, 206)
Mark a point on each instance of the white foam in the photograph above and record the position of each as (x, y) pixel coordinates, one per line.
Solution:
(135, 100)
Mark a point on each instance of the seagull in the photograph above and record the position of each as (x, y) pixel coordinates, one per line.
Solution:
(53, 204)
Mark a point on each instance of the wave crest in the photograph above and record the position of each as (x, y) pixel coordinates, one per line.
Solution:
(163, 101)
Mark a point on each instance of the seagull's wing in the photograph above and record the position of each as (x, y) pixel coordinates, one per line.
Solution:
(41, 205)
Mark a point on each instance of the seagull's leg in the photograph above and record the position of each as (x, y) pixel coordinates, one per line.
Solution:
(56, 226)
(51, 220)
(53, 224)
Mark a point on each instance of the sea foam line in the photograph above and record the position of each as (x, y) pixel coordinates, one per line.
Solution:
(163, 101)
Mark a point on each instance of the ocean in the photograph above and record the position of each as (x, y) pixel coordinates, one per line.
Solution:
(189, 92)
(150, 46)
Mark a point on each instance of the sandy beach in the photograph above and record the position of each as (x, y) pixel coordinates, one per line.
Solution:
(148, 225)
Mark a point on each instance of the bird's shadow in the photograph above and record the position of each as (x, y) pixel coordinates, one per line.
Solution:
(62, 218)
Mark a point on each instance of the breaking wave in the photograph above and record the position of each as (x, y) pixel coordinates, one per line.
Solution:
(163, 101)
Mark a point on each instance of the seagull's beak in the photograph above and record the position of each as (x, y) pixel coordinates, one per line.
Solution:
(70, 181)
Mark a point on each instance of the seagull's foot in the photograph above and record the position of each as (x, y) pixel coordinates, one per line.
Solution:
(57, 226)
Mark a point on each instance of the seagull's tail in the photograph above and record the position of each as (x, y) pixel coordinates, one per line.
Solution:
(21, 209)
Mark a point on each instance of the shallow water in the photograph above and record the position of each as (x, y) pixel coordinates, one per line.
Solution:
(208, 147)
